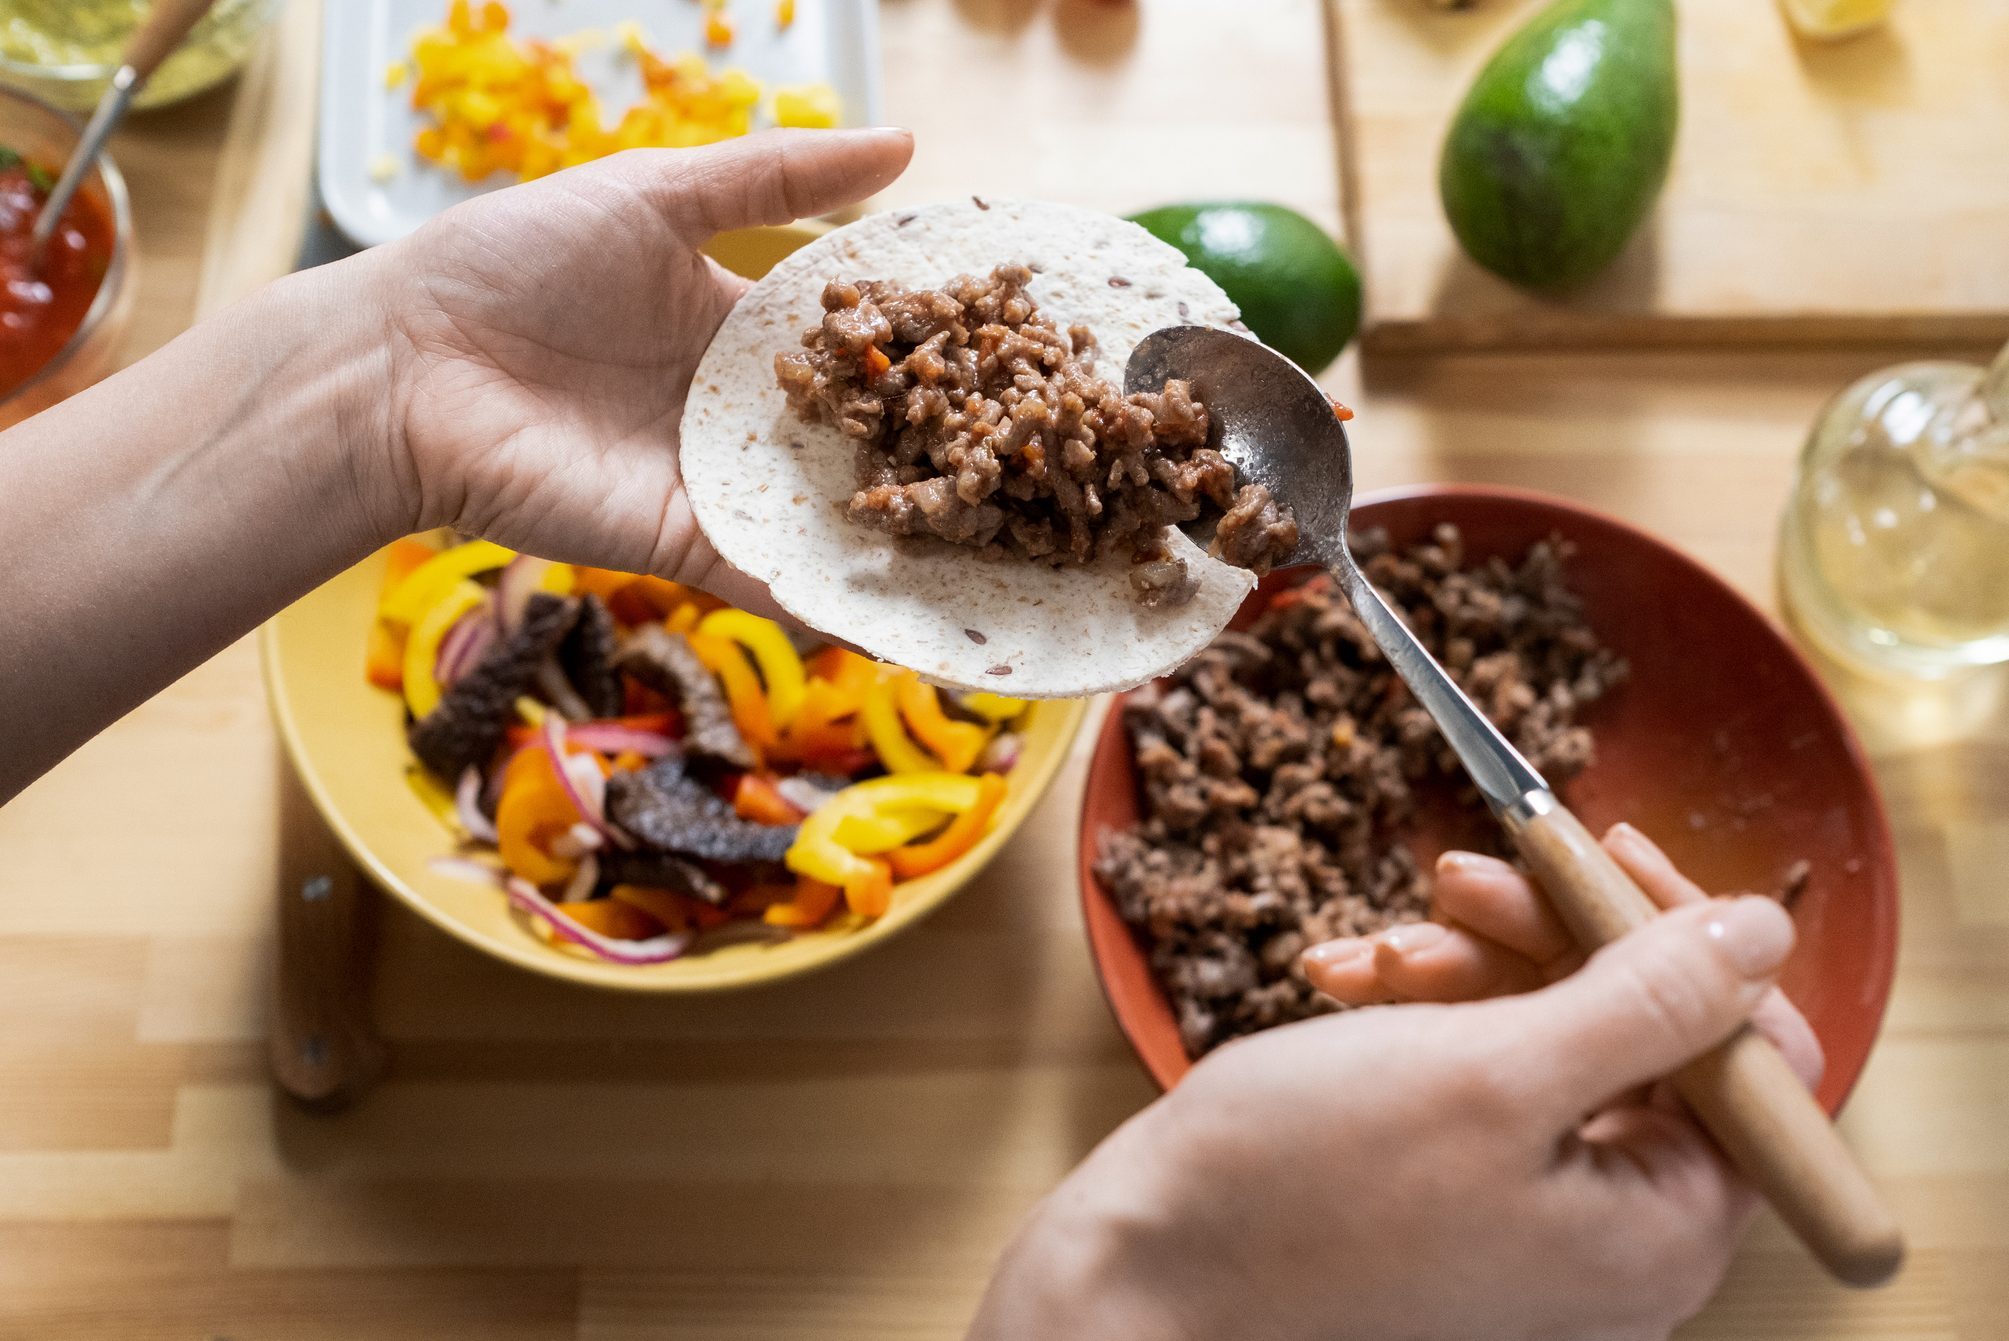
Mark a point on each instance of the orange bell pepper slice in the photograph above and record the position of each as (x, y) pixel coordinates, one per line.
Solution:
(674, 910)
(384, 657)
(846, 672)
(534, 810)
(869, 893)
(755, 798)
(956, 744)
(612, 917)
(813, 902)
(961, 835)
(826, 727)
(750, 711)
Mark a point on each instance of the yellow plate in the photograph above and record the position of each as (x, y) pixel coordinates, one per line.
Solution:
(346, 739)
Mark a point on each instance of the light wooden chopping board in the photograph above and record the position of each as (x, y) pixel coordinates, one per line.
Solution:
(1834, 192)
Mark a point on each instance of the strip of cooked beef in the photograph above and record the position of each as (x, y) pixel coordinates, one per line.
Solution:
(665, 810)
(1279, 768)
(662, 870)
(981, 423)
(462, 732)
(665, 662)
(587, 658)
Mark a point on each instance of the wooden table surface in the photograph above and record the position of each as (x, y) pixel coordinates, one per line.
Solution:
(841, 1158)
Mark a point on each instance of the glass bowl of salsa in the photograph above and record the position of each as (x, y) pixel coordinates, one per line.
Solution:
(61, 325)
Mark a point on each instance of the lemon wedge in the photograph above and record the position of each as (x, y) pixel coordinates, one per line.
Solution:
(1827, 20)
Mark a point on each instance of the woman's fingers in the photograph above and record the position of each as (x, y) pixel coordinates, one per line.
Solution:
(773, 177)
(1650, 1001)
(1650, 868)
(1496, 901)
(1418, 961)
(1780, 1020)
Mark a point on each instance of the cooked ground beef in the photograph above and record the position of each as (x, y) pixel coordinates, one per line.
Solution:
(981, 423)
(1280, 767)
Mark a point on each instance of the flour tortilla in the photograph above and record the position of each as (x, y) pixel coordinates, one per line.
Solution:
(769, 488)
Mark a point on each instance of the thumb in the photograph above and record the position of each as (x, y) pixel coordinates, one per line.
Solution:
(771, 178)
(1657, 997)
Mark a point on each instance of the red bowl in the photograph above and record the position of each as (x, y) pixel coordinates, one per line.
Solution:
(1722, 745)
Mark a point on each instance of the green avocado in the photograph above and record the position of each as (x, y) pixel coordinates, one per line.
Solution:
(1562, 144)
(1297, 290)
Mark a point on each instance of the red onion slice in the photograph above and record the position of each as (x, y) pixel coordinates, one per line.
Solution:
(467, 808)
(524, 897)
(580, 887)
(559, 693)
(579, 775)
(576, 842)
(521, 578)
(466, 868)
(801, 793)
(465, 644)
(613, 738)
(1001, 753)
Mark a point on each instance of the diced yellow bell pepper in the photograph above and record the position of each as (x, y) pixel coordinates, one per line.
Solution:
(422, 687)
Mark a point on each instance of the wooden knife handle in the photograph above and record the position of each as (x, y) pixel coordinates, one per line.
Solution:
(324, 1048)
(163, 29)
(1743, 1091)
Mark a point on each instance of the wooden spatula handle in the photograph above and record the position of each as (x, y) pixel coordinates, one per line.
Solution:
(163, 29)
(1743, 1091)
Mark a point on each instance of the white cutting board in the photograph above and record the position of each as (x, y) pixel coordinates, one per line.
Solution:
(831, 41)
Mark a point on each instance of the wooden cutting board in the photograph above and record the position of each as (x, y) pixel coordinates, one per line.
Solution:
(1834, 192)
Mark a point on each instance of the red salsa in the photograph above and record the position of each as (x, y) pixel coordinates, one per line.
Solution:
(39, 312)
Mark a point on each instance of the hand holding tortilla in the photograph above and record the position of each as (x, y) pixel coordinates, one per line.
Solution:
(946, 349)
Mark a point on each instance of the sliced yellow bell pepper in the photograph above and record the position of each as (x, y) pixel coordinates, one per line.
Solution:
(956, 744)
(886, 829)
(780, 665)
(751, 712)
(889, 738)
(436, 576)
(961, 835)
(817, 851)
(996, 707)
(422, 687)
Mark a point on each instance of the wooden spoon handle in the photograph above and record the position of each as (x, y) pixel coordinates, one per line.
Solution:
(1743, 1091)
(163, 29)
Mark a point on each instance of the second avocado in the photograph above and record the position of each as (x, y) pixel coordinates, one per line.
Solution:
(1562, 144)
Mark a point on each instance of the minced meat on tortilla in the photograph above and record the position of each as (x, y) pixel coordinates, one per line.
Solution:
(770, 487)
(980, 422)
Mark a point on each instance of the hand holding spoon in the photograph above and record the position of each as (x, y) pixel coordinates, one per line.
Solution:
(1278, 428)
(163, 29)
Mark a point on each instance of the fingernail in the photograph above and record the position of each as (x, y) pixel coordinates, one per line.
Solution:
(1408, 939)
(1756, 935)
(1327, 954)
(1470, 863)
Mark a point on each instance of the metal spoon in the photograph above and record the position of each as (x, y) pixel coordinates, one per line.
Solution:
(166, 24)
(1278, 429)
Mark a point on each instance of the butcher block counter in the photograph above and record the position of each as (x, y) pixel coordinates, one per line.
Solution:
(843, 1156)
